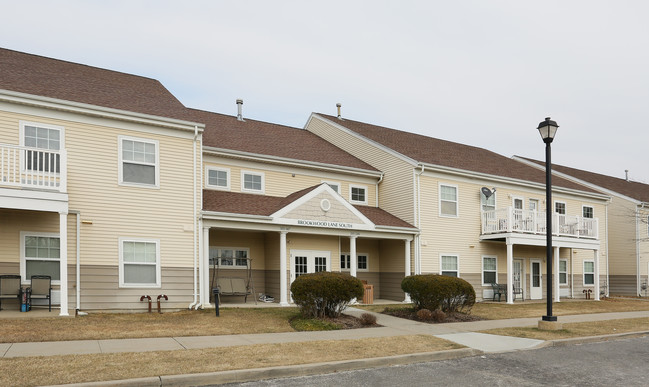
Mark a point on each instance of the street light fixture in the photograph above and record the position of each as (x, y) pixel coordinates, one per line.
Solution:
(548, 130)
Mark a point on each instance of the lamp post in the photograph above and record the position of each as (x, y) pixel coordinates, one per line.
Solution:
(548, 129)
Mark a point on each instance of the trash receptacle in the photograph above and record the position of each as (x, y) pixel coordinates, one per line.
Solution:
(216, 291)
(368, 296)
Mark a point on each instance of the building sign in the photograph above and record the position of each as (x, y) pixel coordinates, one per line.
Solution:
(324, 223)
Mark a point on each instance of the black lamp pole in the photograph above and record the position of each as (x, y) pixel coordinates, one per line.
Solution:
(548, 129)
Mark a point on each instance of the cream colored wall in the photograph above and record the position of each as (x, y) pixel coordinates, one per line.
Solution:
(364, 246)
(643, 231)
(254, 241)
(396, 190)
(622, 229)
(314, 242)
(283, 181)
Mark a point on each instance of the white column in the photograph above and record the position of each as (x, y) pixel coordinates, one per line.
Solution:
(510, 272)
(283, 280)
(596, 259)
(63, 236)
(205, 268)
(557, 287)
(407, 259)
(353, 264)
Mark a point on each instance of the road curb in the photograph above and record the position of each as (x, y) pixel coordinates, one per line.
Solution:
(246, 375)
(593, 339)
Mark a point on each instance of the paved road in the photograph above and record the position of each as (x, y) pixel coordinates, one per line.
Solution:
(613, 363)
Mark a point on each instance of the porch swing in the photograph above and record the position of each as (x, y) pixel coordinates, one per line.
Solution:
(232, 286)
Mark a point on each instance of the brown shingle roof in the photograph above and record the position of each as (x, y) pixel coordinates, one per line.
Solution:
(251, 204)
(429, 150)
(38, 75)
(223, 131)
(632, 189)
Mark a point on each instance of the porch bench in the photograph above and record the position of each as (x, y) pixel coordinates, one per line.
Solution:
(232, 286)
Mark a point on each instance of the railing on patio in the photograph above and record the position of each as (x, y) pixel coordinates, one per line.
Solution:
(508, 220)
(26, 167)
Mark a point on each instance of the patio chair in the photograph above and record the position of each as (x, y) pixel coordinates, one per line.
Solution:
(10, 288)
(498, 291)
(41, 289)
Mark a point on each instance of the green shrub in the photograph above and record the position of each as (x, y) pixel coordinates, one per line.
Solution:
(325, 294)
(433, 291)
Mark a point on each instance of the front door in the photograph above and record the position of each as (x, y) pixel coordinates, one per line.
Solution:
(517, 276)
(309, 261)
(536, 287)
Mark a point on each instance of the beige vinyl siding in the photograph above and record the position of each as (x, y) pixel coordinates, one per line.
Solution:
(396, 190)
(622, 228)
(363, 246)
(253, 241)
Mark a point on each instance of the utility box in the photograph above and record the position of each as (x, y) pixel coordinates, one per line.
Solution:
(368, 296)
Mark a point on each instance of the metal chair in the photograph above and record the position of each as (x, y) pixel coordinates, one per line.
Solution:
(10, 288)
(41, 289)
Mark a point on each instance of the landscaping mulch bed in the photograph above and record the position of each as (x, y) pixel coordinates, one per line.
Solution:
(350, 322)
(411, 314)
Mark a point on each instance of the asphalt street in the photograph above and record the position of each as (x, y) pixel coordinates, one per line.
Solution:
(613, 363)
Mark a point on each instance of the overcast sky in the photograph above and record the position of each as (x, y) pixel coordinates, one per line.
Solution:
(483, 73)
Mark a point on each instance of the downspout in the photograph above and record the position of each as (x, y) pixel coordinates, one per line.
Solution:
(78, 263)
(608, 280)
(637, 251)
(195, 303)
(418, 244)
(572, 274)
(377, 189)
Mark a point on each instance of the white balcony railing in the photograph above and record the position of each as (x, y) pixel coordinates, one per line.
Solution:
(34, 168)
(511, 220)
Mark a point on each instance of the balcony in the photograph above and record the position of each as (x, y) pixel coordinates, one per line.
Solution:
(32, 168)
(511, 220)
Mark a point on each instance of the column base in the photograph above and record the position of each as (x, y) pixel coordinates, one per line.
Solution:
(550, 325)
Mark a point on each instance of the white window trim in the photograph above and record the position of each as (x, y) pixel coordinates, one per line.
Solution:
(530, 201)
(61, 130)
(483, 270)
(457, 200)
(217, 187)
(336, 183)
(120, 166)
(586, 206)
(23, 258)
(522, 200)
(559, 269)
(263, 182)
(346, 254)
(364, 187)
(122, 284)
(482, 203)
(234, 259)
(583, 275)
(565, 206)
(457, 257)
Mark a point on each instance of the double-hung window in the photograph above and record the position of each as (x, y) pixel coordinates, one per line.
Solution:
(357, 194)
(362, 262)
(252, 182)
(41, 253)
(488, 204)
(45, 141)
(589, 273)
(489, 270)
(229, 257)
(139, 161)
(587, 212)
(563, 272)
(218, 178)
(450, 265)
(560, 208)
(448, 200)
(139, 262)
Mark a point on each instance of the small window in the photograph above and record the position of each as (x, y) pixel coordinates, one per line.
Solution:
(344, 262)
(362, 262)
(138, 161)
(518, 203)
(563, 272)
(226, 257)
(450, 265)
(139, 263)
(333, 185)
(488, 204)
(358, 194)
(48, 139)
(534, 204)
(587, 212)
(489, 270)
(560, 208)
(252, 182)
(448, 200)
(218, 178)
(589, 273)
(41, 255)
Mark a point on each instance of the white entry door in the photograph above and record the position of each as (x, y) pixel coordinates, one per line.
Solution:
(536, 287)
(309, 261)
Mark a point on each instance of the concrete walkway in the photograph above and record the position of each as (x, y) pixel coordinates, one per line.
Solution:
(463, 333)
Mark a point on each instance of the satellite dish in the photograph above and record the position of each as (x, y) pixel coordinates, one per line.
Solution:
(486, 192)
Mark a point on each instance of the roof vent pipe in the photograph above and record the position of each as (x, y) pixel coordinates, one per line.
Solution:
(239, 110)
(626, 172)
(338, 105)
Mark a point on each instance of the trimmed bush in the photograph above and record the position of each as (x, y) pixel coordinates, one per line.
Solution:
(368, 319)
(325, 294)
(424, 315)
(433, 291)
(438, 316)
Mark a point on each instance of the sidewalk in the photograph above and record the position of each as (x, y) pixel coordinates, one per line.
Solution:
(463, 333)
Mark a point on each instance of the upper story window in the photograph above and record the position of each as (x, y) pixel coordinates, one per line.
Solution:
(534, 204)
(139, 162)
(218, 178)
(334, 186)
(448, 200)
(139, 263)
(488, 204)
(357, 194)
(252, 182)
(587, 211)
(450, 265)
(518, 203)
(560, 208)
(47, 138)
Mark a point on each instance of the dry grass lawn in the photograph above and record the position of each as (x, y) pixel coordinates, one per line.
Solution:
(97, 326)
(35, 371)
(584, 329)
